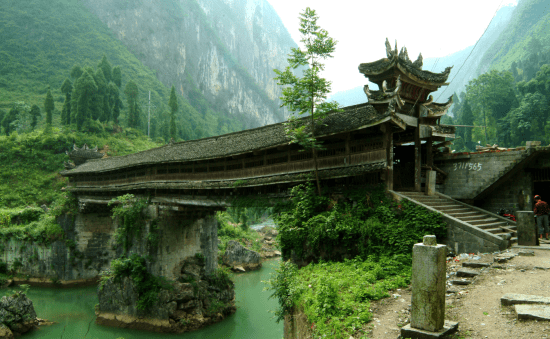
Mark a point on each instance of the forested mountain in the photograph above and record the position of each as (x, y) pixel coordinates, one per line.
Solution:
(512, 98)
(202, 48)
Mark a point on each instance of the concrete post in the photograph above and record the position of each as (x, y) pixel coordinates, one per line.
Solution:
(430, 183)
(527, 232)
(428, 285)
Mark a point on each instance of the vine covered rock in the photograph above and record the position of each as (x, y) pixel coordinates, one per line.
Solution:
(194, 300)
(17, 315)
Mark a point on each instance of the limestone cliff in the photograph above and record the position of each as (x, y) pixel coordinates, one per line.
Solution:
(218, 53)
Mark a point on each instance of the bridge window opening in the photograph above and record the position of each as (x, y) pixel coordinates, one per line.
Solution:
(277, 160)
(332, 152)
(187, 169)
(254, 164)
(161, 170)
(271, 151)
(173, 170)
(201, 169)
(216, 168)
(301, 156)
(234, 166)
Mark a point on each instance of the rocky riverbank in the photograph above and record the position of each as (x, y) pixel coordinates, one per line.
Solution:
(194, 300)
(240, 257)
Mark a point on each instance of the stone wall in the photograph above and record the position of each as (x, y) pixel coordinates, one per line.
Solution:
(470, 174)
(515, 194)
(296, 325)
(90, 246)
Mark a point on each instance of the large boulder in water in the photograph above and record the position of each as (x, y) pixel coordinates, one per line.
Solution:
(17, 315)
(237, 255)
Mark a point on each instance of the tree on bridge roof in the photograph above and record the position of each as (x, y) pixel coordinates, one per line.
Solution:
(306, 95)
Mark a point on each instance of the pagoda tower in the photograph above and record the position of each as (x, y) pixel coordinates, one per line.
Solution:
(404, 94)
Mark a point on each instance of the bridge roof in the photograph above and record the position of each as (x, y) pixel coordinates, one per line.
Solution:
(269, 136)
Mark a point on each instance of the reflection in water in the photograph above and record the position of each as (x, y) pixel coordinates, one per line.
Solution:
(73, 310)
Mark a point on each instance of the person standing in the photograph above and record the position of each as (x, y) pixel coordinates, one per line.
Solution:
(541, 213)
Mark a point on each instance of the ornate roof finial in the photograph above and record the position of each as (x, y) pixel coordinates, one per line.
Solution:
(404, 56)
(419, 62)
(389, 53)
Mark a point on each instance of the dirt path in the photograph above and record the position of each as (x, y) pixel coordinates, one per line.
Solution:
(477, 306)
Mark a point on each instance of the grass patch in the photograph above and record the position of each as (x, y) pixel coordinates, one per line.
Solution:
(335, 296)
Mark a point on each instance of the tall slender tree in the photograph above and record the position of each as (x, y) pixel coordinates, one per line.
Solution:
(86, 90)
(307, 95)
(35, 114)
(67, 89)
(114, 101)
(467, 119)
(49, 107)
(8, 119)
(105, 66)
(102, 104)
(117, 76)
(173, 103)
(132, 92)
(76, 72)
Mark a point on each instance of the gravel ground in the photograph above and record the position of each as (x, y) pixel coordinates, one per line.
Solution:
(477, 306)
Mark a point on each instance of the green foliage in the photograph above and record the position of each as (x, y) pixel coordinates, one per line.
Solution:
(374, 225)
(335, 295)
(131, 220)
(147, 285)
(229, 230)
(30, 162)
(307, 95)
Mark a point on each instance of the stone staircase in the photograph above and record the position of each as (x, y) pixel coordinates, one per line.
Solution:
(475, 217)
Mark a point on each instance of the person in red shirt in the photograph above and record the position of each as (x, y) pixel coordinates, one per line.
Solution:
(541, 213)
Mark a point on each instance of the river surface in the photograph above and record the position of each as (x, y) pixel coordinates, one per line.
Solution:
(73, 310)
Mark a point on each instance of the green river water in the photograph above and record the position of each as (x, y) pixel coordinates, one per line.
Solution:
(73, 310)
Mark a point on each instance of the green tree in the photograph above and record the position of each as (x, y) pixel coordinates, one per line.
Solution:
(74, 100)
(173, 103)
(49, 107)
(132, 92)
(467, 119)
(9, 119)
(307, 94)
(105, 66)
(491, 96)
(76, 72)
(86, 91)
(67, 89)
(35, 114)
(117, 76)
(2, 114)
(102, 104)
(114, 101)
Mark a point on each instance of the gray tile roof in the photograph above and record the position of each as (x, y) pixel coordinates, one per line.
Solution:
(352, 118)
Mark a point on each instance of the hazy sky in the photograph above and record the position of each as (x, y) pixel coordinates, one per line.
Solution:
(431, 27)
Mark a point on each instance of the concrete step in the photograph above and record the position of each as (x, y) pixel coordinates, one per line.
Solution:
(485, 220)
(449, 207)
(492, 225)
(471, 217)
(460, 211)
(464, 214)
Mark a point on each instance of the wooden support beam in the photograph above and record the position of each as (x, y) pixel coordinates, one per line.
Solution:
(348, 152)
(417, 160)
(388, 141)
(429, 154)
